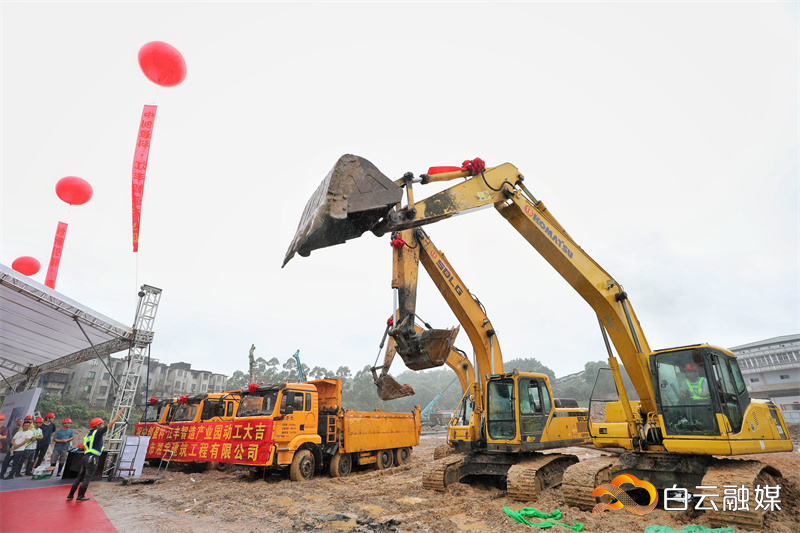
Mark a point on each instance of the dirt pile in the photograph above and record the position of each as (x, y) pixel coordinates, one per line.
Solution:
(372, 501)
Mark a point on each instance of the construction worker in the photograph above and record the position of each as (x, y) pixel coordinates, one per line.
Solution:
(3, 435)
(21, 439)
(92, 449)
(30, 449)
(694, 386)
(62, 439)
(47, 428)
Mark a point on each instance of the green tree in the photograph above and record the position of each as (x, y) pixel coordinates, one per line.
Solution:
(70, 407)
(530, 364)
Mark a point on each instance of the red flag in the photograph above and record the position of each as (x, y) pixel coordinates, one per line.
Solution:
(55, 257)
(140, 167)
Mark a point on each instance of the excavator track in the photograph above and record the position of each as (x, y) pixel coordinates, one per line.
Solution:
(442, 472)
(527, 479)
(581, 479)
(737, 473)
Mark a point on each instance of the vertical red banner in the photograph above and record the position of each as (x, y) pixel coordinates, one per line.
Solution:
(55, 257)
(140, 167)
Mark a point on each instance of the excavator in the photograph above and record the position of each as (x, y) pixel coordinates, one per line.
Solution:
(667, 436)
(504, 419)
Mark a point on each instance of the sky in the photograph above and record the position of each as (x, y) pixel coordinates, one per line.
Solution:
(663, 136)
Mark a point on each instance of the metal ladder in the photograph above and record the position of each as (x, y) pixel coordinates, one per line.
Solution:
(149, 298)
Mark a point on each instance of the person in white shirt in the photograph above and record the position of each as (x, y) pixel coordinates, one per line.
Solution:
(18, 444)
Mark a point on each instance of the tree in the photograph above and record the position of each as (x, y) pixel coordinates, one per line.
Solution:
(70, 407)
(530, 364)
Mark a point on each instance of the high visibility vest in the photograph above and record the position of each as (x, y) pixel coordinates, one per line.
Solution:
(32, 444)
(697, 389)
(88, 443)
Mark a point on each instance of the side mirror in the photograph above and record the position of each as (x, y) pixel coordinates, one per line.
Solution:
(287, 410)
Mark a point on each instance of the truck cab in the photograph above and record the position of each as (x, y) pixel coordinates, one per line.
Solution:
(294, 411)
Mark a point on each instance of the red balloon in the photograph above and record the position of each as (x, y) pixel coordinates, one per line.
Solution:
(162, 64)
(74, 190)
(26, 265)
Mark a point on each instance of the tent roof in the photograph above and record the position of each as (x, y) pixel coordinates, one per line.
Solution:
(42, 330)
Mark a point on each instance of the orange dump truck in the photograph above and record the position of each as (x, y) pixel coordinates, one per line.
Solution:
(306, 430)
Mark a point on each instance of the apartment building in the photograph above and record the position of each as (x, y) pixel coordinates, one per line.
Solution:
(771, 370)
(91, 381)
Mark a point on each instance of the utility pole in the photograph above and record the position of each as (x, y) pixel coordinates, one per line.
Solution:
(252, 364)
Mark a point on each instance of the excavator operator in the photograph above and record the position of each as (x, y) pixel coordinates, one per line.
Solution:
(694, 386)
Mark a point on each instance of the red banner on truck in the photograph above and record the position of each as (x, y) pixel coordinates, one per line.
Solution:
(246, 441)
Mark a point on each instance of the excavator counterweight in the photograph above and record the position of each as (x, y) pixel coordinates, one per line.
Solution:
(349, 201)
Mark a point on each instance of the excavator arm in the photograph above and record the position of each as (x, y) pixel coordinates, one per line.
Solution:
(501, 187)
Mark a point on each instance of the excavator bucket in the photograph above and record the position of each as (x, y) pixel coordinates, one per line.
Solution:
(349, 201)
(427, 349)
(390, 389)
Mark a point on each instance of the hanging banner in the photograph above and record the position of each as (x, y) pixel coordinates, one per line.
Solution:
(140, 167)
(55, 257)
(246, 441)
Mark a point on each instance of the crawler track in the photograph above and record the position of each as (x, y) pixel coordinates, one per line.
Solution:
(528, 478)
(580, 479)
(442, 472)
(737, 473)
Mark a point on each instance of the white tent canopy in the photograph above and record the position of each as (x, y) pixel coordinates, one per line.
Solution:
(42, 330)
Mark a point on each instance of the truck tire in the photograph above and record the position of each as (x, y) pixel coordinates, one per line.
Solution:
(302, 466)
(384, 460)
(341, 464)
(402, 456)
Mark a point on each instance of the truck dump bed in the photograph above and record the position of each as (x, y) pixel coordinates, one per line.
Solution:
(380, 431)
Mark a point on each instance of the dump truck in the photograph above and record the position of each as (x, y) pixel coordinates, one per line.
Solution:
(170, 420)
(305, 430)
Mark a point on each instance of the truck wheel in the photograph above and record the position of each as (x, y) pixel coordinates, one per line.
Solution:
(341, 463)
(402, 456)
(302, 466)
(385, 460)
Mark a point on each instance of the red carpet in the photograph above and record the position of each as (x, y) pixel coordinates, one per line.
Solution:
(25, 511)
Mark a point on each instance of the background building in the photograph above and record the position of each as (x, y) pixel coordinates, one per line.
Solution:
(771, 370)
(91, 382)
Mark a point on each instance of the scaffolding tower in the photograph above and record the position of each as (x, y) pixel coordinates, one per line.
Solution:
(149, 298)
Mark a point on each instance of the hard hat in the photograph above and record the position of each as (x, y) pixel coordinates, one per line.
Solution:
(2, 416)
(690, 366)
(67, 421)
(29, 417)
(49, 415)
(38, 420)
(95, 422)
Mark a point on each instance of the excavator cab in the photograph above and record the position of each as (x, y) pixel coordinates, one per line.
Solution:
(694, 385)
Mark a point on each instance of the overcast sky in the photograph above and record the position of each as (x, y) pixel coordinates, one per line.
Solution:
(663, 137)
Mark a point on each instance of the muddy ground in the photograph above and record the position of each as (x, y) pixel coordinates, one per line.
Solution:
(375, 501)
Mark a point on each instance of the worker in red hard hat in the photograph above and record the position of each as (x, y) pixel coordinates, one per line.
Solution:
(19, 443)
(30, 449)
(62, 440)
(48, 428)
(694, 386)
(3, 434)
(93, 448)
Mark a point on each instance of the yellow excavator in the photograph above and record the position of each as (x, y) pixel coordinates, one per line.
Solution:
(504, 419)
(674, 433)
